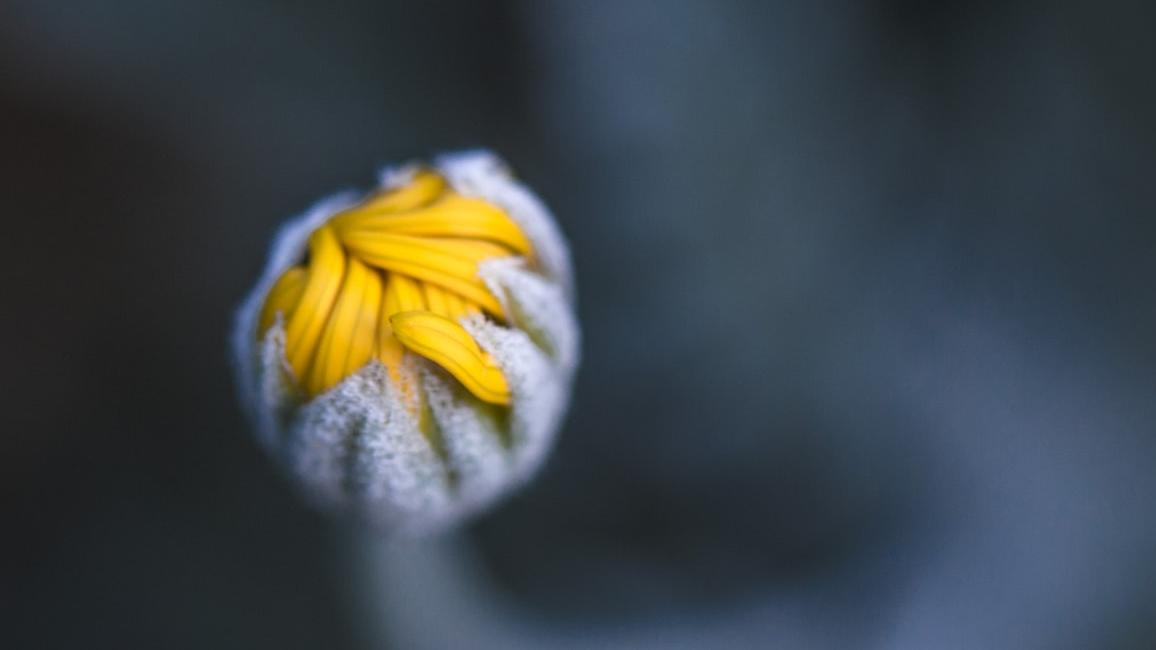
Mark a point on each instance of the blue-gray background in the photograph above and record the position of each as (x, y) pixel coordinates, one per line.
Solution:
(866, 287)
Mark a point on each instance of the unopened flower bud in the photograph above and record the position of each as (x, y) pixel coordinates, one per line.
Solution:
(407, 354)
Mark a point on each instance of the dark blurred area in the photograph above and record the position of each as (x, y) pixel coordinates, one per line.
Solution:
(866, 290)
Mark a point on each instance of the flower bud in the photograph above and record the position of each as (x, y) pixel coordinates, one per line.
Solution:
(407, 355)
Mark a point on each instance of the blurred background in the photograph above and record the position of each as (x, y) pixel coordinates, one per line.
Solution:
(866, 288)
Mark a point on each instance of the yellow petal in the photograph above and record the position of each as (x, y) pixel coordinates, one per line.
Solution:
(425, 188)
(364, 336)
(326, 271)
(282, 298)
(449, 345)
(455, 306)
(451, 216)
(335, 357)
(401, 294)
(444, 303)
(449, 263)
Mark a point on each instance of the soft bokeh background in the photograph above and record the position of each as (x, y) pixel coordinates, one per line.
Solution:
(867, 290)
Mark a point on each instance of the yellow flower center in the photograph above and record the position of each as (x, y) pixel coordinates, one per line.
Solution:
(393, 275)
